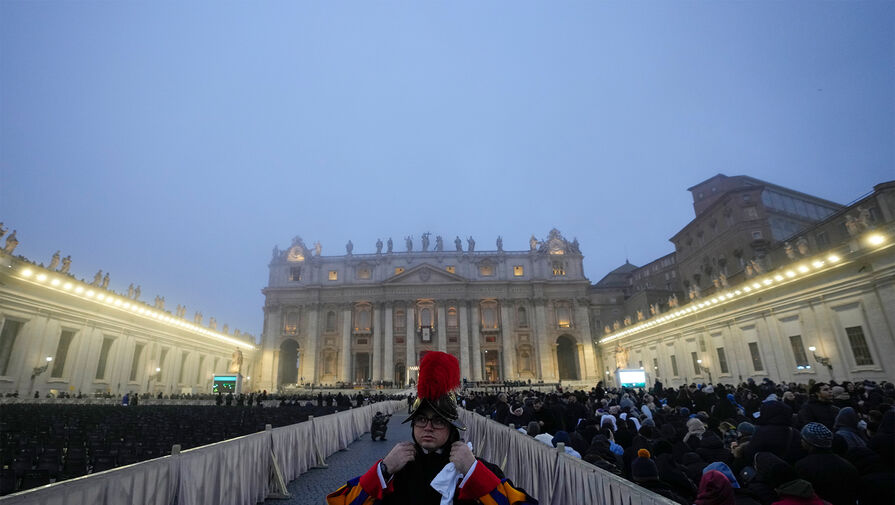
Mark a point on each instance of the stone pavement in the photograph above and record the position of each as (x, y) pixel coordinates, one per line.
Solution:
(313, 486)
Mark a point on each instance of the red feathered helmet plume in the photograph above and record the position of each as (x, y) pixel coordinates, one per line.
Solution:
(439, 378)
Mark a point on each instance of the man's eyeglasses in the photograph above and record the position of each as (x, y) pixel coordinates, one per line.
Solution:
(422, 421)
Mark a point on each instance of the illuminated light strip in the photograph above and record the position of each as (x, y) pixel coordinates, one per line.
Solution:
(818, 264)
(119, 303)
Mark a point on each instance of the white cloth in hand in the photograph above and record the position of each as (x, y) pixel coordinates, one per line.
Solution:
(446, 480)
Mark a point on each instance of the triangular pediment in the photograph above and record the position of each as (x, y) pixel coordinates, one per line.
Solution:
(425, 274)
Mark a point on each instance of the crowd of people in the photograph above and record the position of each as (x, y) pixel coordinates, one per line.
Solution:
(751, 444)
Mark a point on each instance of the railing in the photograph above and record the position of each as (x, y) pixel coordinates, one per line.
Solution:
(548, 474)
(239, 471)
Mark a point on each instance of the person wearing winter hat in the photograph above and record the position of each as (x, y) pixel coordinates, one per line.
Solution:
(714, 489)
(798, 492)
(834, 478)
(770, 472)
(645, 473)
(847, 427)
(436, 465)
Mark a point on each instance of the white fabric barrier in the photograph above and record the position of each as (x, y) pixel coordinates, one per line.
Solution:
(234, 471)
(290, 445)
(152, 482)
(548, 475)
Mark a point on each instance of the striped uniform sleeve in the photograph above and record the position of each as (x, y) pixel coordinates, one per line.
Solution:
(489, 489)
(364, 490)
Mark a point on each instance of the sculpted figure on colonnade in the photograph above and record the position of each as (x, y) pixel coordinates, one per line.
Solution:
(54, 261)
(408, 242)
(97, 278)
(378, 246)
(236, 361)
(349, 248)
(426, 241)
(439, 243)
(533, 243)
(390, 245)
(318, 249)
(66, 264)
(11, 242)
(802, 244)
(470, 244)
(458, 244)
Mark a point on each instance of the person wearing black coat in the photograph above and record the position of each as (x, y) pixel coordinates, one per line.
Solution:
(819, 408)
(877, 480)
(834, 479)
(671, 473)
(711, 449)
(775, 433)
(770, 473)
(645, 473)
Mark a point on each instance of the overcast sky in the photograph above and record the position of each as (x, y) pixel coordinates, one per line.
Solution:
(173, 144)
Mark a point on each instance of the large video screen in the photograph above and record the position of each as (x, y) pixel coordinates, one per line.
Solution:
(224, 384)
(632, 378)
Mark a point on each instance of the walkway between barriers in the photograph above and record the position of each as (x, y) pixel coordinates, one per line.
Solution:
(312, 486)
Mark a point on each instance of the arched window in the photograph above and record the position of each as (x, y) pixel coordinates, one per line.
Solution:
(522, 317)
(426, 317)
(330, 321)
(452, 319)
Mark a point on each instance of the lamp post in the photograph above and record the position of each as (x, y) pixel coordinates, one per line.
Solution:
(823, 360)
(157, 376)
(39, 370)
(705, 369)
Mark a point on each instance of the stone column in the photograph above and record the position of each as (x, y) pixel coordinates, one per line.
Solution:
(410, 336)
(81, 377)
(582, 367)
(309, 354)
(508, 348)
(346, 345)
(582, 323)
(464, 341)
(545, 348)
(269, 345)
(442, 329)
(388, 353)
(376, 361)
(476, 342)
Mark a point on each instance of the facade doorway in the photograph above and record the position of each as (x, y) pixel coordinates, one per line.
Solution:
(492, 366)
(288, 367)
(361, 367)
(567, 358)
(399, 374)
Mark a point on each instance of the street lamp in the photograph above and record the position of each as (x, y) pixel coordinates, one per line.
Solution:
(704, 369)
(41, 369)
(823, 360)
(157, 376)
